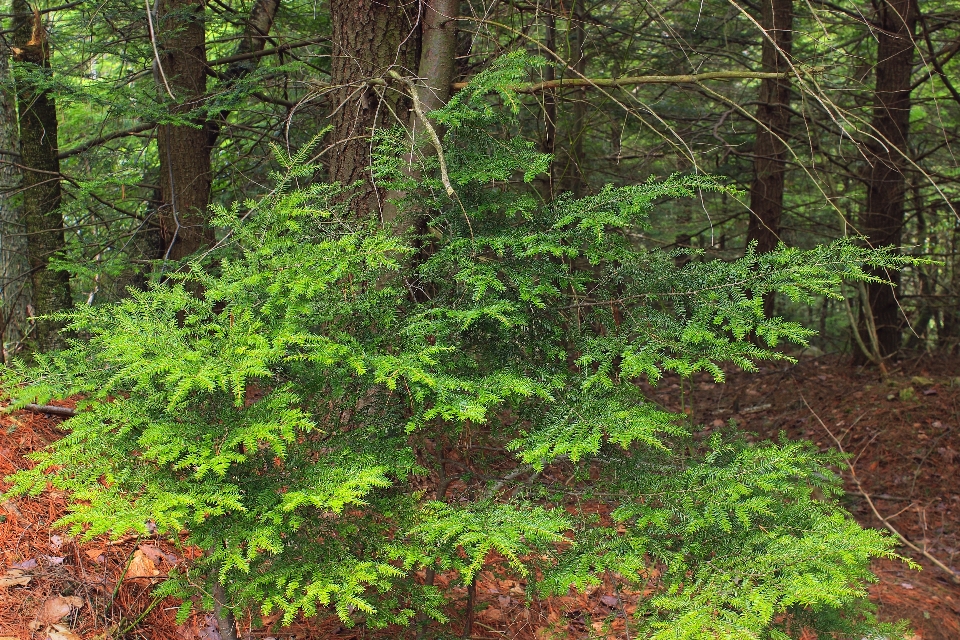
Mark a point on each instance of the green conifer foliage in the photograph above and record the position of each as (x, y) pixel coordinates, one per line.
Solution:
(283, 415)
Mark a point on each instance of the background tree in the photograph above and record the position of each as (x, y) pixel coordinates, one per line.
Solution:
(888, 157)
(14, 272)
(773, 130)
(180, 71)
(369, 38)
(42, 219)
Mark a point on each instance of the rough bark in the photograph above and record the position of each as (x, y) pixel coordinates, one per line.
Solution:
(42, 220)
(185, 176)
(773, 121)
(14, 269)
(370, 38)
(882, 219)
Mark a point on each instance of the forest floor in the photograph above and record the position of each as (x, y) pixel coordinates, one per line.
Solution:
(904, 434)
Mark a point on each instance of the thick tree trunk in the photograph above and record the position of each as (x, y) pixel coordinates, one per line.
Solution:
(180, 72)
(882, 220)
(14, 268)
(42, 220)
(370, 38)
(773, 116)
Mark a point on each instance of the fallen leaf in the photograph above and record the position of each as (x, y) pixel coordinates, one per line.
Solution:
(14, 581)
(11, 508)
(158, 555)
(13, 578)
(61, 632)
(491, 615)
(141, 566)
(610, 601)
(53, 560)
(25, 565)
(56, 542)
(906, 585)
(55, 609)
(210, 630)
(94, 554)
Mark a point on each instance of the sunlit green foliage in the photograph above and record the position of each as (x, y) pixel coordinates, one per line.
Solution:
(280, 405)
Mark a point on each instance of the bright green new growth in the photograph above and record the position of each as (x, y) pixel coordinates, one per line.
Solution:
(287, 415)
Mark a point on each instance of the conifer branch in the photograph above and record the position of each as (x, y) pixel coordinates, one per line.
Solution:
(694, 78)
(239, 57)
(93, 142)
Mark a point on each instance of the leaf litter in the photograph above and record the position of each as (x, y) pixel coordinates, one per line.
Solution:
(906, 456)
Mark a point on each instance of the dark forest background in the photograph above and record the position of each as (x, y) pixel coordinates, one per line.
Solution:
(120, 123)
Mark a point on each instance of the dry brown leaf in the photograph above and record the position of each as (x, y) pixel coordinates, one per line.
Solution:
(158, 555)
(11, 508)
(61, 632)
(95, 554)
(55, 609)
(491, 615)
(610, 601)
(142, 566)
(14, 577)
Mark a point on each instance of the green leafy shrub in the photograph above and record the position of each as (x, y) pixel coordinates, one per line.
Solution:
(287, 415)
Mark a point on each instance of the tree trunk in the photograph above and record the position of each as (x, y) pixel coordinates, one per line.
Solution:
(438, 52)
(370, 38)
(185, 176)
(14, 269)
(773, 116)
(882, 220)
(42, 220)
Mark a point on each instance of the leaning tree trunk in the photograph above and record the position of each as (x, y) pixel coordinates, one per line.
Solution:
(14, 269)
(370, 38)
(180, 72)
(42, 220)
(773, 118)
(882, 220)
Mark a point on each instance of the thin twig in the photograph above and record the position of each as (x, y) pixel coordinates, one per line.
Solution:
(156, 53)
(434, 138)
(694, 78)
(954, 576)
